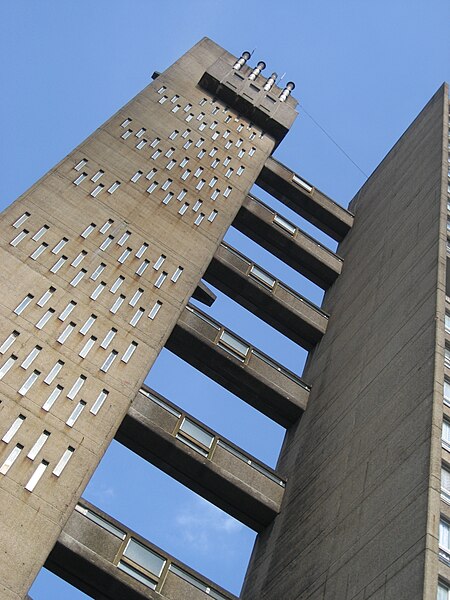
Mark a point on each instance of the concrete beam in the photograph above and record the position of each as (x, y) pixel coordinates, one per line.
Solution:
(289, 243)
(198, 457)
(106, 560)
(240, 368)
(306, 200)
(203, 294)
(267, 297)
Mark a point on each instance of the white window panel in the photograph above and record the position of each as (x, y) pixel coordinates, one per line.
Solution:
(9, 342)
(215, 194)
(31, 357)
(96, 191)
(136, 296)
(54, 372)
(117, 304)
(185, 175)
(241, 153)
(45, 318)
(98, 271)
(16, 425)
(87, 347)
(170, 165)
(252, 151)
(169, 152)
(76, 261)
(215, 135)
(174, 98)
(173, 135)
(227, 192)
(109, 361)
(199, 219)
(113, 187)
(141, 132)
(155, 142)
(161, 279)
(213, 151)
(202, 126)
(240, 171)
(129, 352)
(197, 205)
(97, 176)
(142, 267)
(200, 184)
(215, 163)
(98, 290)
(183, 208)
(184, 162)
(29, 383)
(198, 172)
(76, 387)
(38, 445)
(239, 142)
(65, 334)
(11, 459)
(166, 184)
(56, 267)
(52, 398)
(34, 479)
(137, 316)
(182, 194)
(176, 276)
(200, 143)
(89, 229)
(187, 144)
(159, 262)
(176, 108)
(136, 176)
(63, 461)
(167, 198)
(106, 242)
(19, 237)
(126, 122)
(116, 285)
(89, 322)
(76, 413)
(108, 338)
(21, 220)
(141, 144)
(226, 133)
(104, 228)
(46, 297)
(154, 311)
(162, 89)
(185, 134)
(66, 312)
(213, 182)
(187, 107)
(39, 250)
(40, 232)
(229, 173)
(126, 134)
(22, 306)
(189, 117)
(80, 178)
(125, 254)
(7, 365)
(151, 188)
(141, 250)
(78, 277)
(212, 216)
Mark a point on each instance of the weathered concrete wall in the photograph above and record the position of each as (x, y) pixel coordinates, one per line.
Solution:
(359, 518)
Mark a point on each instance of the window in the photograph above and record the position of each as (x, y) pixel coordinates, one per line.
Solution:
(212, 152)
(52, 398)
(447, 322)
(106, 242)
(182, 194)
(212, 216)
(76, 413)
(215, 163)
(239, 142)
(54, 372)
(262, 276)
(90, 321)
(136, 296)
(202, 126)
(38, 445)
(176, 108)
(8, 436)
(98, 271)
(161, 279)
(65, 334)
(200, 184)
(241, 153)
(126, 134)
(187, 108)
(149, 564)
(174, 98)
(31, 357)
(198, 172)
(197, 205)
(252, 151)
(97, 176)
(444, 541)
(184, 162)
(142, 267)
(108, 338)
(229, 173)
(152, 187)
(228, 145)
(95, 192)
(189, 117)
(167, 198)
(447, 391)
(159, 262)
(187, 144)
(39, 250)
(446, 435)
(290, 228)
(186, 174)
(233, 345)
(29, 383)
(40, 232)
(137, 316)
(199, 219)
(76, 261)
(240, 171)
(226, 134)
(22, 306)
(174, 134)
(170, 165)
(155, 154)
(183, 208)
(112, 188)
(176, 276)
(166, 184)
(154, 311)
(141, 144)
(11, 459)
(78, 277)
(129, 352)
(45, 318)
(80, 178)
(63, 461)
(9, 342)
(117, 304)
(162, 99)
(99, 402)
(21, 220)
(126, 123)
(141, 132)
(215, 194)
(46, 297)
(162, 89)
(58, 264)
(201, 154)
(213, 182)
(89, 229)
(195, 436)
(116, 285)
(136, 176)
(141, 250)
(7, 365)
(125, 254)
(66, 312)
(34, 479)
(443, 592)
(109, 361)
(155, 142)
(215, 135)
(200, 143)
(87, 347)
(19, 237)
(98, 290)
(447, 357)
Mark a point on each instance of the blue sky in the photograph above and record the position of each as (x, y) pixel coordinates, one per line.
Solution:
(363, 70)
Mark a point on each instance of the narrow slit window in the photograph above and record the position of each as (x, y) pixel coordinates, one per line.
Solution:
(136, 176)
(76, 261)
(215, 135)
(96, 191)
(116, 285)
(136, 297)
(167, 198)
(29, 383)
(226, 134)
(87, 346)
(126, 134)
(185, 134)
(155, 142)
(187, 108)
(174, 98)
(98, 290)
(106, 242)
(54, 371)
(215, 194)
(229, 173)
(66, 312)
(151, 188)
(97, 176)
(104, 228)
(241, 153)
(202, 126)
(184, 162)
(227, 192)
(108, 338)
(38, 445)
(98, 271)
(187, 144)
(62, 463)
(78, 277)
(215, 163)
(169, 152)
(252, 151)
(76, 387)
(40, 232)
(9, 342)
(67, 331)
(198, 172)
(126, 122)
(31, 357)
(39, 250)
(183, 208)
(200, 184)
(186, 174)
(7, 365)
(161, 279)
(173, 135)
(142, 267)
(154, 311)
(197, 205)
(34, 479)
(182, 194)
(112, 188)
(141, 250)
(89, 322)
(11, 432)
(99, 402)
(45, 318)
(159, 262)
(129, 352)
(52, 398)
(141, 132)
(46, 297)
(239, 142)
(213, 182)
(125, 254)
(200, 143)
(137, 316)
(11, 459)
(19, 237)
(213, 152)
(21, 220)
(166, 184)
(212, 216)
(170, 165)
(22, 306)
(176, 276)
(89, 229)
(80, 178)
(76, 413)
(117, 304)
(58, 264)
(109, 361)
(199, 219)
(141, 144)
(240, 171)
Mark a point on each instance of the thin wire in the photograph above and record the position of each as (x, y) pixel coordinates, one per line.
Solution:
(334, 141)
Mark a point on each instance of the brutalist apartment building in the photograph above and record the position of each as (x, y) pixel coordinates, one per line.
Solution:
(100, 259)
